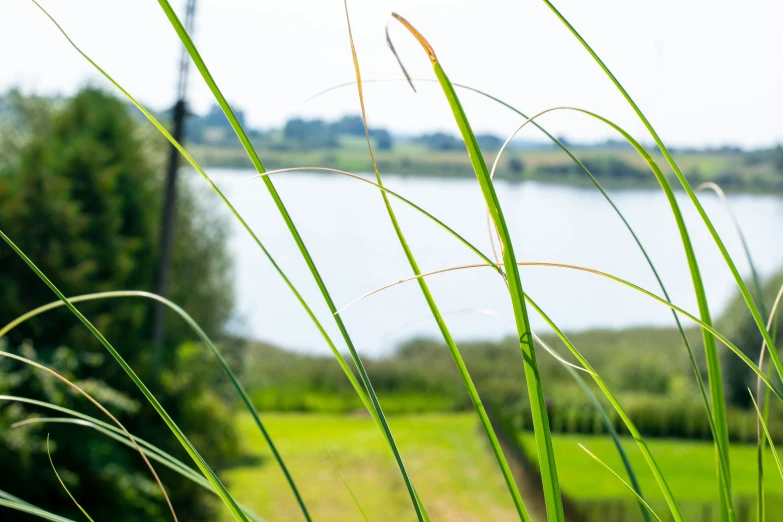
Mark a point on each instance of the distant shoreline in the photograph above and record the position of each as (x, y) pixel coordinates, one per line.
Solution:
(614, 169)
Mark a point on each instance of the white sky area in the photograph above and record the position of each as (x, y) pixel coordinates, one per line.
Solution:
(706, 73)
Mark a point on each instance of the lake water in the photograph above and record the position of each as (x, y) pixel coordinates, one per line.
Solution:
(348, 232)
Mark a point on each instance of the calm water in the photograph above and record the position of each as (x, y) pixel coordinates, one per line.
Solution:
(347, 230)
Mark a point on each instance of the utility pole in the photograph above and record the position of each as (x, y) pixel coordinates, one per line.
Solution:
(170, 197)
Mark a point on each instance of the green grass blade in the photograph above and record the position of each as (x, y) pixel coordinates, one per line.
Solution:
(546, 455)
(641, 500)
(181, 437)
(242, 135)
(436, 314)
(204, 338)
(348, 487)
(49, 453)
(754, 273)
(766, 432)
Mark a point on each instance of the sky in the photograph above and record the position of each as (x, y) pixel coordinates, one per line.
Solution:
(706, 73)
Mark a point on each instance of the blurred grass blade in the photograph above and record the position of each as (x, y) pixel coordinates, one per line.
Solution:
(766, 432)
(631, 489)
(242, 135)
(439, 320)
(546, 455)
(760, 496)
(49, 453)
(204, 338)
(24, 507)
(710, 185)
(609, 425)
(347, 486)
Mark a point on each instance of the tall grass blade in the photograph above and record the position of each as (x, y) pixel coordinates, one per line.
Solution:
(348, 487)
(546, 455)
(754, 273)
(760, 496)
(242, 135)
(684, 182)
(371, 404)
(444, 330)
(49, 453)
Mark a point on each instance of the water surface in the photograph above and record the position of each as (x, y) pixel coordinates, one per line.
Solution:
(348, 233)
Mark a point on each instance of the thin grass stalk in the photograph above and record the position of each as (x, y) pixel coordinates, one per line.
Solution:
(766, 432)
(242, 135)
(722, 338)
(546, 454)
(444, 330)
(754, 273)
(49, 453)
(609, 425)
(369, 404)
(642, 502)
(348, 487)
(760, 496)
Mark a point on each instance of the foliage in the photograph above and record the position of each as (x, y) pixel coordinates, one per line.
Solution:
(80, 194)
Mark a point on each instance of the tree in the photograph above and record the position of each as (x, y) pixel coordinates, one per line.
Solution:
(80, 195)
(740, 327)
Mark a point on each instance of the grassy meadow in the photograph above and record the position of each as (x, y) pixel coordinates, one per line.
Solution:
(447, 455)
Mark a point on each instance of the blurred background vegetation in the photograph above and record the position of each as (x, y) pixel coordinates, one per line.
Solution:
(80, 192)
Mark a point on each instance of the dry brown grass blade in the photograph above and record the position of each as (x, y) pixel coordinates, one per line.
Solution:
(399, 61)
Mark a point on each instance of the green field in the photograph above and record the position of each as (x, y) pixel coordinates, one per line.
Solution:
(452, 467)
